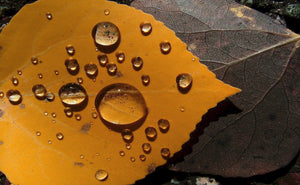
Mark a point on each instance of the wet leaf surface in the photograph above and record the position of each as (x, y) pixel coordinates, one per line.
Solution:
(249, 50)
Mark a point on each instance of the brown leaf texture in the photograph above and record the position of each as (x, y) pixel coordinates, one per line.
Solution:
(248, 50)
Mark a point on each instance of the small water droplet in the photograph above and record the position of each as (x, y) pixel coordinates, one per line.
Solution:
(146, 28)
(165, 47)
(15, 81)
(184, 82)
(38, 133)
(40, 75)
(53, 114)
(146, 148)
(106, 12)
(80, 80)
(1, 94)
(14, 97)
(145, 79)
(19, 72)
(34, 60)
(122, 153)
(91, 70)
(120, 57)
(49, 16)
(151, 133)
(59, 136)
(68, 112)
(70, 50)
(137, 63)
(50, 97)
(101, 175)
(72, 66)
(39, 91)
(132, 159)
(81, 156)
(128, 146)
(142, 157)
(111, 69)
(106, 34)
(94, 115)
(165, 153)
(181, 109)
(121, 104)
(127, 135)
(49, 142)
(103, 60)
(72, 95)
(163, 125)
(78, 117)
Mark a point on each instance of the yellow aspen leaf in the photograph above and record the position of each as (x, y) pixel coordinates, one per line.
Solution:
(92, 92)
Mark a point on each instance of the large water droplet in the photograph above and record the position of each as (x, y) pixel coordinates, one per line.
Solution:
(146, 28)
(120, 57)
(72, 66)
(91, 70)
(111, 69)
(14, 97)
(163, 125)
(137, 63)
(165, 47)
(151, 133)
(121, 105)
(59, 136)
(145, 79)
(146, 148)
(73, 95)
(127, 135)
(15, 81)
(106, 34)
(39, 91)
(184, 82)
(101, 175)
(70, 50)
(103, 60)
(165, 153)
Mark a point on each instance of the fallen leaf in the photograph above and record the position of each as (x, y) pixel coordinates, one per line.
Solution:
(248, 50)
(95, 91)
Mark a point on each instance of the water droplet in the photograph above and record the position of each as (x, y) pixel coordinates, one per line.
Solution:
(122, 153)
(39, 91)
(80, 80)
(132, 159)
(68, 112)
(53, 115)
(146, 28)
(163, 125)
(165, 153)
(50, 97)
(81, 156)
(38, 133)
(106, 12)
(49, 16)
(103, 60)
(121, 104)
(111, 69)
(106, 34)
(91, 70)
(146, 148)
(59, 136)
(142, 157)
(19, 72)
(34, 60)
(165, 47)
(127, 135)
(120, 57)
(40, 75)
(78, 117)
(184, 82)
(72, 66)
(101, 175)
(15, 81)
(1, 94)
(151, 133)
(137, 63)
(70, 50)
(14, 96)
(182, 109)
(49, 142)
(128, 146)
(72, 95)
(94, 115)
(145, 79)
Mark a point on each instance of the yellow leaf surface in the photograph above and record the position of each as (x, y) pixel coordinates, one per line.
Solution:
(67, 117)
